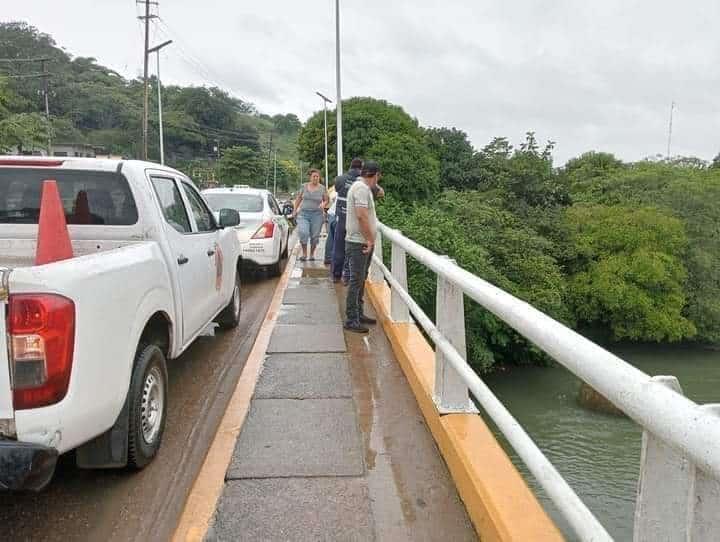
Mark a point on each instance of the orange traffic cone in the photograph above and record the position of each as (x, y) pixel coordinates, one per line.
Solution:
(53, 242)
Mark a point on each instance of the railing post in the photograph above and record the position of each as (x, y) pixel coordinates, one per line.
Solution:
(376, 274)
(450, 393)
(398, 310)
(662, 505)
(704, 500)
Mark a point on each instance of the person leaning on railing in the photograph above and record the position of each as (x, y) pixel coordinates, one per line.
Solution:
(339, 265)
(361, 225)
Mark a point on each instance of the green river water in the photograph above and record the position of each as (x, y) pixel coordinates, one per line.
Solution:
(598, 454)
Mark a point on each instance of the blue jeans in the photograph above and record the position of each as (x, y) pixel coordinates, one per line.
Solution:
(330, 241)
(309, 224)
(338, 261)
(359, 264)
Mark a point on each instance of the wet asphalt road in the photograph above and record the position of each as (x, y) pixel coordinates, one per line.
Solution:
(114, 505)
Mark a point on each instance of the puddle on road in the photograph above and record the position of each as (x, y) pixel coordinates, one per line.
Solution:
(315, 272)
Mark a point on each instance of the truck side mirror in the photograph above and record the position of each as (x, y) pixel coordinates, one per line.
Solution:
(229, 218)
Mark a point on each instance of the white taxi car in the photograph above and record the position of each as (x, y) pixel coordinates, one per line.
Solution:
(263, 231)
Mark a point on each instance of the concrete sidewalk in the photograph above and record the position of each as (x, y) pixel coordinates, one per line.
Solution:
(334, 446)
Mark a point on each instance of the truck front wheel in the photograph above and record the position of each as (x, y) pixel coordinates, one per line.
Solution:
(148, 405)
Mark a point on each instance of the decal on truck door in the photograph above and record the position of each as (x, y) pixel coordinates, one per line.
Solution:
(218, 267)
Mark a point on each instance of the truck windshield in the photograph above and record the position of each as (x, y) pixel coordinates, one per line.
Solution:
(88, 197)
(242, 203)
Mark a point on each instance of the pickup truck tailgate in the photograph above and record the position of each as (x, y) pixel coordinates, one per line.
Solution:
(6, 403)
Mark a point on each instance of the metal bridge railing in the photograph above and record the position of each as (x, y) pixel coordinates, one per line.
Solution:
(679, 487)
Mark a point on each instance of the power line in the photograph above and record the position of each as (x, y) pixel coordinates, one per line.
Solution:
(39, 59)
(204, 69)
(146, 56)
(27, 75)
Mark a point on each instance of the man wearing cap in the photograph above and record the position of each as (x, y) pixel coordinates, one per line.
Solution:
(361, 225)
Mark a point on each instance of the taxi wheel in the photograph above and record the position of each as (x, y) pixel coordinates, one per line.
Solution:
(275, 270)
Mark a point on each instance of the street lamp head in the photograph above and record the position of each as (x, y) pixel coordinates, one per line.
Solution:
(325, 98)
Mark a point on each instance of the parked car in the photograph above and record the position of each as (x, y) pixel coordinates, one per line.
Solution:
(264, 231)
(84, 341)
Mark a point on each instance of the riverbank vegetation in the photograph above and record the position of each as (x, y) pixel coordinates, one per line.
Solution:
(623, 251)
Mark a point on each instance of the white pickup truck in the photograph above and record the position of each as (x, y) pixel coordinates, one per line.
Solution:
(84, 341)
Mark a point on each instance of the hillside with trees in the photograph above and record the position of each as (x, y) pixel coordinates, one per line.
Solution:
(620, 251)
(95, 105)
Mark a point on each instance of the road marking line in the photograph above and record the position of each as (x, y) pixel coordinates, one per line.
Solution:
(206, 490)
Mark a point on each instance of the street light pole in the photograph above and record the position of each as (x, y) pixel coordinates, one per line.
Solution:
(156, 49)
(339, 152)
(275, 175)
(326, 100)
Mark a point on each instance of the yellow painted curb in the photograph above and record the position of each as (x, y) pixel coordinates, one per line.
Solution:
(499, 502)
(206, 490)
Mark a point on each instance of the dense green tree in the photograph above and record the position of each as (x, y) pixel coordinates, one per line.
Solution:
(365, 120)
(629, 274)
(241, 165)
(288, 175)
(524, 175)
(691, 194)
(24, 131)
(286, 124)
(409, 171)
(493, 244)
(20, 130)
(590, 165)
(454, 152)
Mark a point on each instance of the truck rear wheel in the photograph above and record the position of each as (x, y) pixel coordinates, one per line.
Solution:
(148, 405)
(229, 318)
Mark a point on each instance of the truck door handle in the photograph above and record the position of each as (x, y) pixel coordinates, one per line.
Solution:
(211, 252)
(182, 260)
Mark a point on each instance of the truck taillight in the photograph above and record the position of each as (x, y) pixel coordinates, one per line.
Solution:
(42, 337)
(265, 231)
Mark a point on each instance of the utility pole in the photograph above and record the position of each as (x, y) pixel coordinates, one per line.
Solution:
(338, 101)
(672, 108)
(275, 175)
(325, 102)
(43, 64)
(146, 55)
(270, 150)
(156, 49)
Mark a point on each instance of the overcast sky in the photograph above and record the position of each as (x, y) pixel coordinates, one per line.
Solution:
(590, 75)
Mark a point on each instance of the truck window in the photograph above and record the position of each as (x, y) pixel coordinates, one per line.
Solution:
(203, 217)
(88, 197)
(171, 203)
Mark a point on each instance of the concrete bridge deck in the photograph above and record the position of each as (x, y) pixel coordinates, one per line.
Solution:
(334, 446)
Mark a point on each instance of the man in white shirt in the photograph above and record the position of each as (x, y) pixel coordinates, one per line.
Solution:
(361, 225)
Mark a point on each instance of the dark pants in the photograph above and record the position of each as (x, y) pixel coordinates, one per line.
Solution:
(330, 241)
(338, 258)
(359, 264)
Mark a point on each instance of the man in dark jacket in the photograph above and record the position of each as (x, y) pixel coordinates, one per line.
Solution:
(342, 185)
